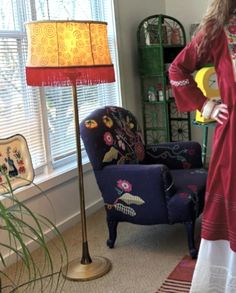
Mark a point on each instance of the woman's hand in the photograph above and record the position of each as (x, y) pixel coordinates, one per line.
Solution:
(215, 110)
(220, 113)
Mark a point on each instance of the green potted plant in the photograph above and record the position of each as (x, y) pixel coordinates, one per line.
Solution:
(19, 225)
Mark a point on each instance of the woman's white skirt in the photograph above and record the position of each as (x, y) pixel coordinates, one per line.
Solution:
(215, 270)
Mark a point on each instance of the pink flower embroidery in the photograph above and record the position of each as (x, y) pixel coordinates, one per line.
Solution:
(108, 138)
(124, 185)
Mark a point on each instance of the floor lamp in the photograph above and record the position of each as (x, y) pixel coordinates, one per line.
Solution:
(71, 53)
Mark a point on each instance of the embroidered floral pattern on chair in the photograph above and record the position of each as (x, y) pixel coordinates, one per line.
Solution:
(175, 155)
(125, 199)
(122, 139)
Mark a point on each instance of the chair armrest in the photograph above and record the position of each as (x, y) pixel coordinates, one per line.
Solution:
(156, 177)
(150, 185)
(175, 155)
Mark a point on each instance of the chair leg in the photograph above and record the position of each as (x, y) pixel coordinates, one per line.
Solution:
(112, 227)
(190, 226)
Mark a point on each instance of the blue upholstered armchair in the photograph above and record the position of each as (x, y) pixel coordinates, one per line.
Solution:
(147, 185)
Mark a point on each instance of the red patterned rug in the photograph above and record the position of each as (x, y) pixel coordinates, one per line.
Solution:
(180, 278)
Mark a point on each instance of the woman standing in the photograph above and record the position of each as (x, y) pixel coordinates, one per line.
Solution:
(215, 43)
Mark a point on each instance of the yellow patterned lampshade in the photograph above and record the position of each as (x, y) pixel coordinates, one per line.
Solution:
(68, 52)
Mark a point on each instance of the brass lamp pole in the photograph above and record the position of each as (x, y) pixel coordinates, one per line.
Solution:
(86, 268)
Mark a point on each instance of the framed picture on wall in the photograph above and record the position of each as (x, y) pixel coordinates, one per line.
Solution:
(16, 169)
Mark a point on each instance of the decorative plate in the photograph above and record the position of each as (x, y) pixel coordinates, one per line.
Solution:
(15, 163)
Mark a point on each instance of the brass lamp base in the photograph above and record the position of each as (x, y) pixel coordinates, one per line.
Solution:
(76, 271)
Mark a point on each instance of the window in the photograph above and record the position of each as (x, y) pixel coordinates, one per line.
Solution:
(45, 115)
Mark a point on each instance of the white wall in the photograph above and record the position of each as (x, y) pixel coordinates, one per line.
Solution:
(186, 11)
(129, 13)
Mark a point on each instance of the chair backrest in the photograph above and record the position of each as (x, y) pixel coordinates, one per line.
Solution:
(111, 135)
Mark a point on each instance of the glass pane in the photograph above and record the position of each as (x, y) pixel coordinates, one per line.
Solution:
(60, 120)
(19, 104)
(13, 15)
(63, 9)
(7, 15)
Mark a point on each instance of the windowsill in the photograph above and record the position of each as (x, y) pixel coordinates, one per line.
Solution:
(43, 183)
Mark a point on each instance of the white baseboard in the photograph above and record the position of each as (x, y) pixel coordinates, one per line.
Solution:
(70, 221)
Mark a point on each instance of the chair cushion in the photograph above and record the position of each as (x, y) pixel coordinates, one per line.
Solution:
(188, 201)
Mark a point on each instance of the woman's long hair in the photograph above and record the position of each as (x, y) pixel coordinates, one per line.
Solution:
(217, 14)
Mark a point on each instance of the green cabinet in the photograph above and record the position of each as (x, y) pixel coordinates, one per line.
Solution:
(160, 39)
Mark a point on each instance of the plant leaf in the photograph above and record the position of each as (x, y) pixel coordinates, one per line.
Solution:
(21, 224)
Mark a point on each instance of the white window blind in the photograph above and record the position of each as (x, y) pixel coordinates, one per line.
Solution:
(45, 115)
(19, 105)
